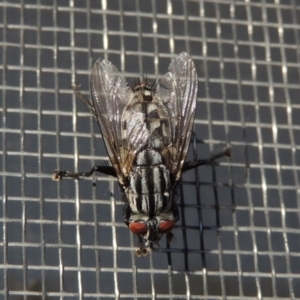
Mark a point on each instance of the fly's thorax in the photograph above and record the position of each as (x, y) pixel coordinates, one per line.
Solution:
(149, 158)
(149, 188)
(149, 204)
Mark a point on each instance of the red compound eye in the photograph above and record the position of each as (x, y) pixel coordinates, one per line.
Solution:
(138, 227)
(166, 225)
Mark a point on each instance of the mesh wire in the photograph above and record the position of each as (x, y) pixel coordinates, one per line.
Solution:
(238, 236)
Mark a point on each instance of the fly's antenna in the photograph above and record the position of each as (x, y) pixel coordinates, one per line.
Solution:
(142, 250)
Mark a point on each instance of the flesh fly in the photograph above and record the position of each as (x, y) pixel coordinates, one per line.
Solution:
(146, 130)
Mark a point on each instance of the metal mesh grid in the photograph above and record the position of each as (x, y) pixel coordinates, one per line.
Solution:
(238, 237)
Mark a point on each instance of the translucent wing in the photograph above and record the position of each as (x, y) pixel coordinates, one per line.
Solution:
(110, 95)
(178, 89)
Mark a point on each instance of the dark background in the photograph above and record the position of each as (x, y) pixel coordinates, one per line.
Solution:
(238, 237)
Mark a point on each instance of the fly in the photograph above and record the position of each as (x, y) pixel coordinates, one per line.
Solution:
(146, 131)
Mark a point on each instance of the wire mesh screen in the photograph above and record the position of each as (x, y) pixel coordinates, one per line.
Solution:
(238, 236)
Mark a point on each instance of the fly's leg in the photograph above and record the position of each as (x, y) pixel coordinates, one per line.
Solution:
(60, 174)
(170, 236)
(194, 164)
(79, 95)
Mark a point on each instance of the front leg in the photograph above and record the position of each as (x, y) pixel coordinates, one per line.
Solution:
(79, 95)
(60, 174)
(194, 164)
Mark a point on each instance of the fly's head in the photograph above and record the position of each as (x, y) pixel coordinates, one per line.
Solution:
(151, 229)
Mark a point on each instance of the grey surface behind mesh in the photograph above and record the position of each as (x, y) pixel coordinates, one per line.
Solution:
(238, 236)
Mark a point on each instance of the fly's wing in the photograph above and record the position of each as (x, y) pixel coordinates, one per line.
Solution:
(110, 95)
(178, 89)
